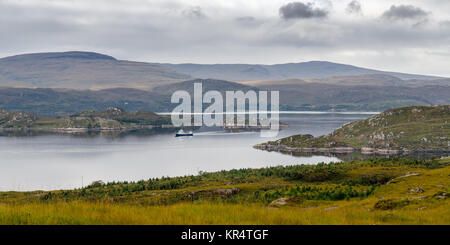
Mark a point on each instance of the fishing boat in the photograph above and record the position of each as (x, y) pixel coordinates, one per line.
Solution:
(181, 133)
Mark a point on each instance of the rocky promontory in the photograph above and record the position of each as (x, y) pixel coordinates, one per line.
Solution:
(112, 119)
(402, 130)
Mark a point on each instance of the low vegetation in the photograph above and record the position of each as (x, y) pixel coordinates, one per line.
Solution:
(376, 191)
(415, 128)
(109, 119)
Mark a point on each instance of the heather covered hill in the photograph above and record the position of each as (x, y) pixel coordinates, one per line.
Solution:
(82, 70)
(415, 128)
(250, 72)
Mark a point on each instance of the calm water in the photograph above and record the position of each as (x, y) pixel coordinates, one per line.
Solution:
(61, 162)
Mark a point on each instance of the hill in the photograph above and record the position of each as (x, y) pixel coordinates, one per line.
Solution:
(81, 70)
(89, 70)
(415, 128)
(378, 80)
(207, 84)
(111, 118)
(47, 102)
(369, 80)
(303, 70)
(306, 96)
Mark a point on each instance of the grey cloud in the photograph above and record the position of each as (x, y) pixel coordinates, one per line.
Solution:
(354, 7)
(162, 34)
(403, 12)
(194, 13)
(445, 24)
(245, 19)
(249, 21)
(298, 10)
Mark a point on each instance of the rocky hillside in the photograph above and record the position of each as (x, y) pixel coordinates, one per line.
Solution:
(16, 119)
(416, 128)
(111, 118)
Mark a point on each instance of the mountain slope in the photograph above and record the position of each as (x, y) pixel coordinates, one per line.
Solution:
(81, 70)
(316, 96)
(416, 128)
(207, 85)
(249, 72)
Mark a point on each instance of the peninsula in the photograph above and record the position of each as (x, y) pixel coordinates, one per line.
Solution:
(401, 130)
(112, 118)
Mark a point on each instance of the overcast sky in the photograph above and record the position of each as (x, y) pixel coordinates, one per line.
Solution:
(405, 35)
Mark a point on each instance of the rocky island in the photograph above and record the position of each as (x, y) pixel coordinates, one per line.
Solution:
(401, 130)
(111, 119)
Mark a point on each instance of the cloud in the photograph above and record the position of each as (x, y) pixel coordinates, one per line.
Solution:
(251, 31)
(354, 7)
(248, 21)
(405, 12)
(245, 18)
(445, 24)
(298, 10)
(194, 13)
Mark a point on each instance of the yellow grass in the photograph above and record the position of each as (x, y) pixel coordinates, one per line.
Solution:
(186, 213)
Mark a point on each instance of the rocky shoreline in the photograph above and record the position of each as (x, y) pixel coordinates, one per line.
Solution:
(363, 150)
(100, 129)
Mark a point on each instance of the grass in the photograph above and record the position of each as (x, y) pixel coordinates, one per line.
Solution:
(401, 192)
(85, 213)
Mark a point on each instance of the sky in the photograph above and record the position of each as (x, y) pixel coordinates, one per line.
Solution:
(411, 36)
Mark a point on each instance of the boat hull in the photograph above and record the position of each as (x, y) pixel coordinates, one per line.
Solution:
(181, 135)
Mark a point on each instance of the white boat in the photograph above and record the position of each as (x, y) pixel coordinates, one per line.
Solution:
(181, 133)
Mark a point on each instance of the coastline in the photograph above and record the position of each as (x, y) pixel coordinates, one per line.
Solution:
(363, 150)
(88, 129)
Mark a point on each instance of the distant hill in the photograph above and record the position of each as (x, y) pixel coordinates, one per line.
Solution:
(415, 128)
(380, 80)
(294, 95)
(303, 70)
(369, 80)
(46, 102)
(89, 70)
(324, 97)
(207, 84)
(82, 70)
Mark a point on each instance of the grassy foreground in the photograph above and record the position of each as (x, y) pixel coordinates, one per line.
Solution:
(378, 191)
